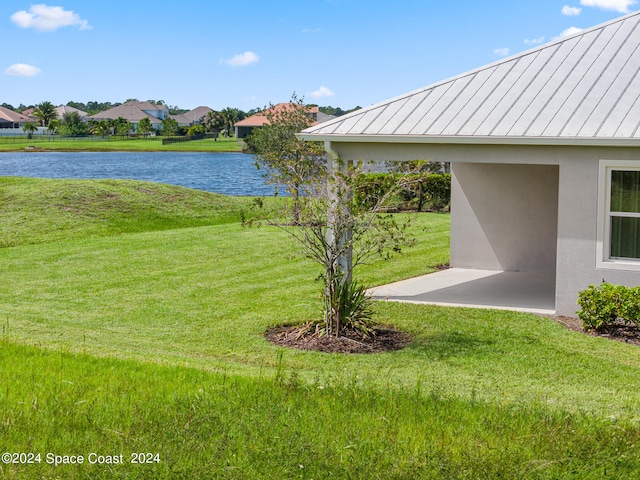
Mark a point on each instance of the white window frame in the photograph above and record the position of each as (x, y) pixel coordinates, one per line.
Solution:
(603, 242)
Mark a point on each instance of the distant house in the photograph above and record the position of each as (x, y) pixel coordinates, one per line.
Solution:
(244, 127)
(13, 122)
(62, 109)
(134, 112)
(193, 117)
(544, 149)
(28, 112)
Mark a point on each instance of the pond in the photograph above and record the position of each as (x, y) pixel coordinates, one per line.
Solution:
(227, 173)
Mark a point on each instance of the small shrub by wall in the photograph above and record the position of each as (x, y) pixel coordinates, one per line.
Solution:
(608, 306)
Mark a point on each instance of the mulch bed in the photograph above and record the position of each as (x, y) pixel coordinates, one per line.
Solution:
(385, 339)
(620, 333)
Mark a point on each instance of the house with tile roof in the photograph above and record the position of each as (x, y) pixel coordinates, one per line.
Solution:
(13, 122)
(245, 126)
(544, 149)
(134, 112)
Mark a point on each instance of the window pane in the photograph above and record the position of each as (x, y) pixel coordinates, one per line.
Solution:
(625, 191)
(625, 237)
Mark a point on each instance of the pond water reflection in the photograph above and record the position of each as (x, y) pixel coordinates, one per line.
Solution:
(227, 173)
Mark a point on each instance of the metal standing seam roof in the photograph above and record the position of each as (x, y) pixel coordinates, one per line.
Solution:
(579, 88)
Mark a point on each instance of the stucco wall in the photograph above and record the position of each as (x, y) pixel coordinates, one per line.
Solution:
(577, 200)
(577, 229)
(504, 217)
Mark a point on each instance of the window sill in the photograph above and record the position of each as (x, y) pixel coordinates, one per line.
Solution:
(629, 265)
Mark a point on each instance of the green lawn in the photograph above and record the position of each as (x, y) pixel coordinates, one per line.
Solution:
(126, 331)
(102, 145)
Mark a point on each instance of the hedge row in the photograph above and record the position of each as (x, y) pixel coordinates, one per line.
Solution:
(420, 191)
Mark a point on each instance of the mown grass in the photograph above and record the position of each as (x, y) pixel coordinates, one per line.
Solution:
(152, 341)
(134, 145)
(48, 210)
(205, 425)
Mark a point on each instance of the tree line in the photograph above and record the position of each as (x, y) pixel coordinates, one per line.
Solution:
(93, 107)
(71, 123)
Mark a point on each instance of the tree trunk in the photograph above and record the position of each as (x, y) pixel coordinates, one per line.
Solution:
(339, 259)
(296, 204)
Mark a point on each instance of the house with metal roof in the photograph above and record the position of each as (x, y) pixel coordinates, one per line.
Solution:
(544, 149)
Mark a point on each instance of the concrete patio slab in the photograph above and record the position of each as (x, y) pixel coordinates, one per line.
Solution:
(519, 291)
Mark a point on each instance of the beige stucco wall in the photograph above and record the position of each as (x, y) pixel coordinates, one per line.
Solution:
(576, 170)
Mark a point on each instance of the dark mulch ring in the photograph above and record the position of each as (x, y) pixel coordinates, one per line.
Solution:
(386, 339)
(620, 332)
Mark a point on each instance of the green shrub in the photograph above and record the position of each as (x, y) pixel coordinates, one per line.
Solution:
(371, 188)
(419, 191)
(427, 190)
(607, 306)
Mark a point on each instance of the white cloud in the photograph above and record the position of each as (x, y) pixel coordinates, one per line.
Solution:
(242, 59)
(621, 6)
(571, 11)
(501, 52)
(322, 92)
(311, 30)
(48, 19)
(568, 32)
(534, 41)
(22, 70)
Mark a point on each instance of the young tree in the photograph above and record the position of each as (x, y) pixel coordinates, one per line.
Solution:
(45, 112)
(339, 230)
(169, 127)
(30, 128)
(145, 127)
(289, 162)
(72, 124)
(196, 130)
(120, 126)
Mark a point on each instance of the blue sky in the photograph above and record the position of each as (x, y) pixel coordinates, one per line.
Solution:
(250, 53)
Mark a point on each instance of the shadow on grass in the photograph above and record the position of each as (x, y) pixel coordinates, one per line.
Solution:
(445, 345)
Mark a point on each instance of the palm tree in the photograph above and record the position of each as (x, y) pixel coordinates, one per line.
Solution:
(230, 116)
(45, 112)
(214, 122)
(29, 128)
(101, 128)
(53, 126)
